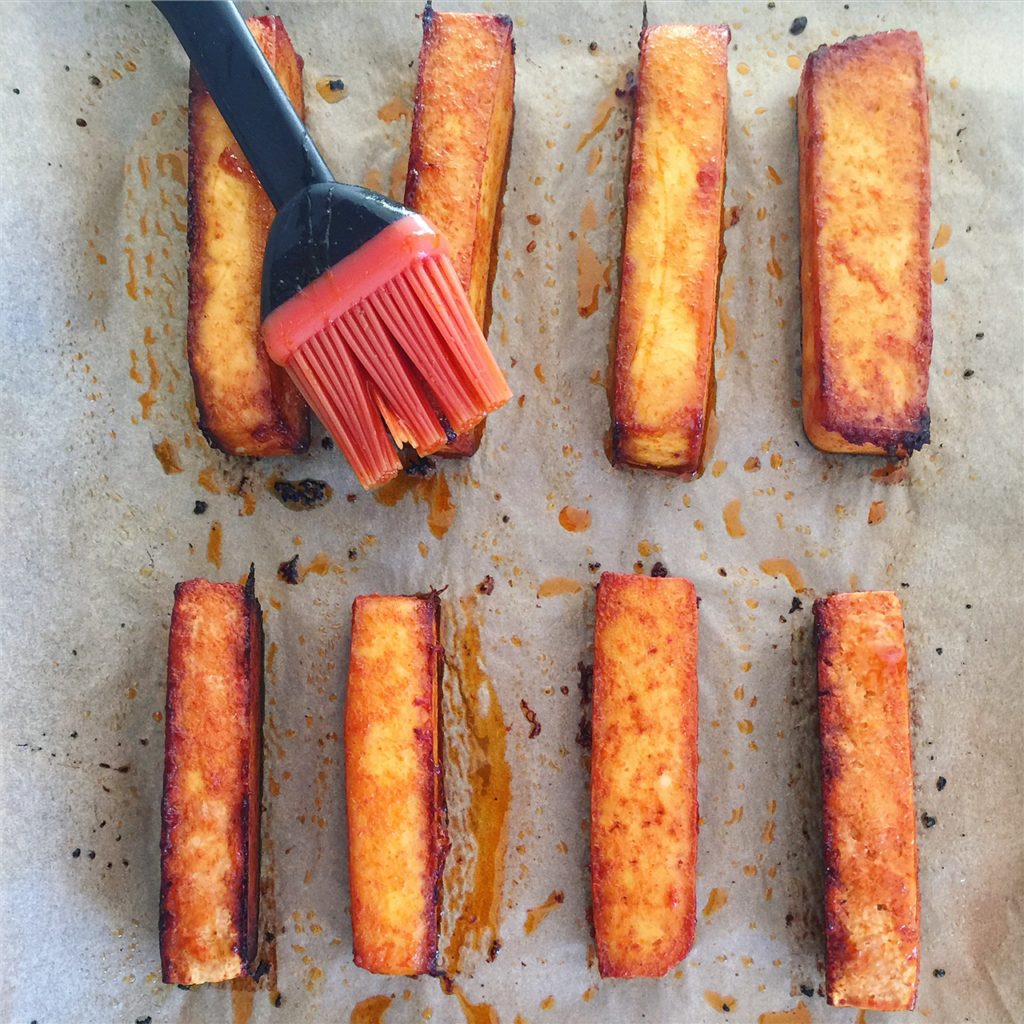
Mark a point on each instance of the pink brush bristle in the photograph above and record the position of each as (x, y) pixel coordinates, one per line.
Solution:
(386, 341)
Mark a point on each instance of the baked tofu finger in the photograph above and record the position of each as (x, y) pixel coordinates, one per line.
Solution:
(871, 898)
(663, 393)
(643, 824)
(862, 111)
(458, 158)
(213, 766)
(394, 788)
(247, 404)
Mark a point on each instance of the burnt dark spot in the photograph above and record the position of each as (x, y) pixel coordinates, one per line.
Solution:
(143, 1020)
(722, 572)
(795, 605)
(980, 335)
(80, 121)
(928, 820)
(806, 990)
(938, 973)
(352, 554)
(486, 585)
(327, 443)
(938, 650)
(968, 374)
(505, 519)
(940, 783)
(658, 570)
(17, 92)
(350, 498)
(799, 24)
(420, 466)
(336, 85)
(289, 571)
(493, 951)
(630, 86)
(531, 716)
(593, 566)
(302, 495)
(278, 1001)
(91, 855)
(76, 853)
(584, 732)
(592, 47)
(262, 970)
(199, 507)
(93, 80)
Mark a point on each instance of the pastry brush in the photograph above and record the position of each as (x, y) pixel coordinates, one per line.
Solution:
(360, 303)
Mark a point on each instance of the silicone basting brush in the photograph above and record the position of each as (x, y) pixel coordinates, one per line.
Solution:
(360, 302)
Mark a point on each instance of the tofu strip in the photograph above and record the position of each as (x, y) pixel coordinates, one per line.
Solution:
(247, 404)
(871, 897)
(394, 792)
(459, 151)
(664, 360)
(862, 111)
(210, 842)
(643, 838)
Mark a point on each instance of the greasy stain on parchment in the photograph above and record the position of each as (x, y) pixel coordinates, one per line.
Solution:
(475, 749)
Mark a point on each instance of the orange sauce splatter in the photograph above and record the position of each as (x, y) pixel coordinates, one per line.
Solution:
(784, 567)
(731, 516)
(774, 267)
(132, 284)
(331, 88)
(876, 513)
(776, 460)
(939, 275)
(604, 111)
(134, 371)
(535, 915)
(726, 321)
(798, 1015)
(645, 549)
(538, 372)
(242, 995)
(736, 817)
(475, 1013)
(214, 543)
(547, 1002)
(174, 165)
(166, 452)
(717, 899)
(591, 273)
(594, 161)
(575, 520)
(371, 1010)
(589, 993)
(157, 117)
(942, 236)
(723, 1004)
(861, 1018)
(892, 473)
(746, 726)
(144, 171)
(148, 398)
(557, 585)
(319, 565)
(396, 109)
(774, 175)
(490, 780)
(793, 60)
(208, 481)
(753, 464)
(396, 180)
(433, 490)
(743, 69)
(718, 468)
(768, 832)
(373, 180)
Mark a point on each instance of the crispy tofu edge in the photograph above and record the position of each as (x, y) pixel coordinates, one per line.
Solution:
(426, 960)
(823, 425)
(832, 617)
(641, 965)
(467, 443)
(285, 422)
(702, 425)
(245, 911)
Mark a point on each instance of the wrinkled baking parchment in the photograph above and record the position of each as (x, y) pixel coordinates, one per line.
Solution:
(97, 533)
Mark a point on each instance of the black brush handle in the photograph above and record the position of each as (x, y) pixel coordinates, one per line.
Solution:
(248, 95)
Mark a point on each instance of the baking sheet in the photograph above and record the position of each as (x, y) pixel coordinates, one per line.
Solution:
(97, 534)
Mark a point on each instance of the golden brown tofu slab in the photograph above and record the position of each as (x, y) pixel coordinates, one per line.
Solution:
(663, 394)
(872, 909)
(394, 789)
(458, 158)
(247, 404)
(865, 192)
(643, 831)
(210, 840)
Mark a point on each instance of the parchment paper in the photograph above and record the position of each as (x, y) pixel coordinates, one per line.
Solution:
(96, 534)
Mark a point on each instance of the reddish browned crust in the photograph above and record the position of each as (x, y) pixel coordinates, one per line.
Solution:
(394, 783)
(210, 838)
(247, 403)
(662, 403)
(856, 397)
(644, 774)
(457, 178)
(872, 907)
